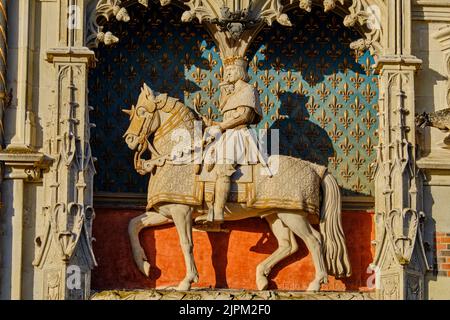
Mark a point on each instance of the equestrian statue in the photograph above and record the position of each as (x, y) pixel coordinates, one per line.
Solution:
(229, 179)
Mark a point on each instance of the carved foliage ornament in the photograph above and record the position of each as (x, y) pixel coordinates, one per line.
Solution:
(236, 16)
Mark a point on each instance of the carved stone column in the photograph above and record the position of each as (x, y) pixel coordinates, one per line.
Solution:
(63, 255)
(3, 54)
(400, 260)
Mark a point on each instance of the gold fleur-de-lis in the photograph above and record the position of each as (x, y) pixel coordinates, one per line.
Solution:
(210, 89)
(109, 72)
(346, 92)
(165, 61)
(335, 161)
(132, 73)
(255, 64)
(367, 66)
(312, 78)
(121, 59)
(289, 50)
(323, 38)
(266, 104)
(322, 65)
(346, 146)
(357, 107)
(198, 103)
(357, 54)
(334, 25)
(345, 120)
(358, 187)
(300, 90)
(370, 172)
(312, 106)
(368, 146)
(187, 88)
(334, 105)
(177, 74)
(154, 45)
(323, 92)
(368, 120)
(357, 80)
(335, 80)
(219, 75)
(267, 78)
(345, 66)
(210, 114)
(198, 49)
(277, 91)
(289, 79)
(323, 119)
(277, 65)
(357, 133)
(198, 75)
(154, 74)
(334, 52)
(358, 160)
(335, 134)
(210, 63)
(277, 116)
(312, 52)
(256, 86)
(300, 65)
(187, 61)
(368, 93)
(346, 173)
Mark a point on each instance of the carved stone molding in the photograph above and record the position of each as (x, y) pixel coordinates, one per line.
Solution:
(234, 24)
(443, 36)
(367, 16)
(24, 164)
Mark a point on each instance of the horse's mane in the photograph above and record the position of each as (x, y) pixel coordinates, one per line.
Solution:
(174, 105)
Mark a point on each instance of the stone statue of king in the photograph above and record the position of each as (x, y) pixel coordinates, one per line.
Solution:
(236, 145)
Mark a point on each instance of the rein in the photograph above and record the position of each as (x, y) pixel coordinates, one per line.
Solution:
(143, 166)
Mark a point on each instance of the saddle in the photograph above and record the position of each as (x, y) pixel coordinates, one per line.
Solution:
(241, 181)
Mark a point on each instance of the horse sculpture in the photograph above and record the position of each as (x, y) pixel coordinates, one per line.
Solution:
(288, 200)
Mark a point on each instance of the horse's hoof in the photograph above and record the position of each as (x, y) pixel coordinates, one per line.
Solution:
(144, 267)
(314, 286)
(261, 282)
(184, 285)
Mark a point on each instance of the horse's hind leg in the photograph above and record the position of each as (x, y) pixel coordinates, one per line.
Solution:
(136, 225)
(301, 227)
(182, 217)
(287, 245)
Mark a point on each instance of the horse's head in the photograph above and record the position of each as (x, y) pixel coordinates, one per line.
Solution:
(144, 119)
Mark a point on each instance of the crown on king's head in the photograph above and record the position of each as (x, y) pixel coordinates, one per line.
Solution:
(235, 61)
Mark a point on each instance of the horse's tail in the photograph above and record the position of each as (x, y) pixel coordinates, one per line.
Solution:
(333, 239)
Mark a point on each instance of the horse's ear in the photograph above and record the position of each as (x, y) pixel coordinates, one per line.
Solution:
(148, 90)
(129, 112)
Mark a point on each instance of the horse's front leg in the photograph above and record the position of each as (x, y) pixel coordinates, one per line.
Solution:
(182, 217)
(136, 225)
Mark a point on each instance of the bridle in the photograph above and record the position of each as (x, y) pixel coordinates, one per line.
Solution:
(141, 132)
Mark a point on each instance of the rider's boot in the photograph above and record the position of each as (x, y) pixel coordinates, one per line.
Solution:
(221, 192)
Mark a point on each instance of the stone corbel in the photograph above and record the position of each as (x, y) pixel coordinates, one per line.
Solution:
(369, 17)
(27, 166)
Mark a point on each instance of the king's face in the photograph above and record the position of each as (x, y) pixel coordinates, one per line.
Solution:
(231, 74)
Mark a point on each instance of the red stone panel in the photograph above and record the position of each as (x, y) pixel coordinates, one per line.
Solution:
(224, 260)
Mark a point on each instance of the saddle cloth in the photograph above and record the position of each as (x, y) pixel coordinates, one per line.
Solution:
(239, 183)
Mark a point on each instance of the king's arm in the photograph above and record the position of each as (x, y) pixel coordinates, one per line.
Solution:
(243, 115)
